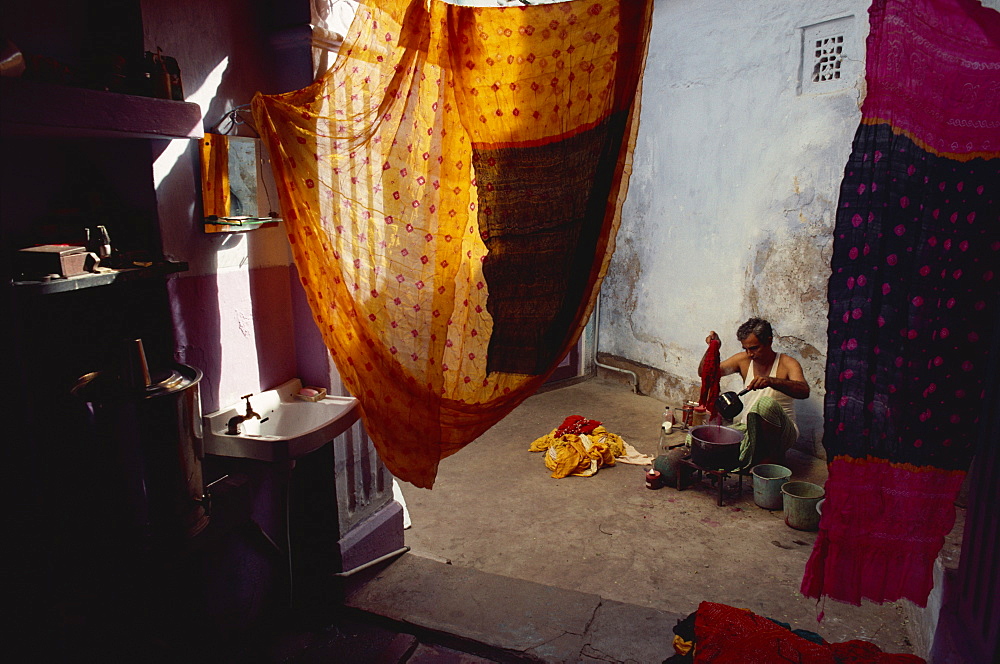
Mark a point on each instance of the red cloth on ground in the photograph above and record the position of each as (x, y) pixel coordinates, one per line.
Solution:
(727, 635)
(710, 376)
(863, 652)
(577, 424)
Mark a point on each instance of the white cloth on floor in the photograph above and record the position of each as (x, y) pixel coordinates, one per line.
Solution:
(634, 456)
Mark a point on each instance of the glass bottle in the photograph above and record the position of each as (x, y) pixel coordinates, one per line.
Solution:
(665, 428)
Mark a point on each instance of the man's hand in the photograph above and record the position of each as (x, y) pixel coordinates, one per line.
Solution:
(728, 366)
(701, 365)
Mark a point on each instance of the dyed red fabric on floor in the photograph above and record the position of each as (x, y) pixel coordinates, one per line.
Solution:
(728, 635)
(577, 424)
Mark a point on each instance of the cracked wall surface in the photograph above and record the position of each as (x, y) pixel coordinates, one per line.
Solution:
(732, 200)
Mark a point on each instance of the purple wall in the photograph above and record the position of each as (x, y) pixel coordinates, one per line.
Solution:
(237, 327)
(232, 310)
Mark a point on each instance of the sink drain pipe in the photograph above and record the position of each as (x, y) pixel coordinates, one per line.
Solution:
(368, 564)
(597, 336)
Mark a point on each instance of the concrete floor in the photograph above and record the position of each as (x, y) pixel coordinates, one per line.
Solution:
(495, 509)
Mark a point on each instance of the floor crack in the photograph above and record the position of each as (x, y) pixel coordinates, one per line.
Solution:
(593, 653)
(548, 641)
(593, 616)
(585, 647)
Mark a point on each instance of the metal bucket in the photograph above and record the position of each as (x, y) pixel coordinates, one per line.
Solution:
(768, 479)
(799, 500)
(150, 431)
(716, 447)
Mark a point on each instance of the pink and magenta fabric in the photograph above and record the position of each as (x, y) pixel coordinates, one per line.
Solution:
(913, 299)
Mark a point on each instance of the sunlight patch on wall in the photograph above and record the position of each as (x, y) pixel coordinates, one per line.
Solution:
(171, 156)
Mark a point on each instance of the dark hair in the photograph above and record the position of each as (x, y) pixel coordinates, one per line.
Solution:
(757, 327)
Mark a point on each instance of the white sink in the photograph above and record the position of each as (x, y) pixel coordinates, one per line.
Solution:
(288, 428)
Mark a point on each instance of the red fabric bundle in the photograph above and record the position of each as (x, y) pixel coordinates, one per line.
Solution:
(727, 635)
(576, 425)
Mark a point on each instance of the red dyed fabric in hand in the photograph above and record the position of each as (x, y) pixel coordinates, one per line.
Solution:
(710, 376)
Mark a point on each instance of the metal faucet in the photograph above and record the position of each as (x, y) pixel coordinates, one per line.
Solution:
(233, 429)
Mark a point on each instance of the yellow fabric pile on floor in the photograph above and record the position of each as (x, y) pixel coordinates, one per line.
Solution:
(580, 447)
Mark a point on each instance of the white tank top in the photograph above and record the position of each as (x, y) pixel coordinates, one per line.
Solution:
(750, 398)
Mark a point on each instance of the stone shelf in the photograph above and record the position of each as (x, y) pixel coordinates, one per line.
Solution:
(36, 109)
(102, 278)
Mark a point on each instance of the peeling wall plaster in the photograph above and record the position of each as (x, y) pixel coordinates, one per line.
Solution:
(731, 204)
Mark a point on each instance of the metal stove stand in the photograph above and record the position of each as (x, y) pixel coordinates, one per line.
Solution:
(720, 476)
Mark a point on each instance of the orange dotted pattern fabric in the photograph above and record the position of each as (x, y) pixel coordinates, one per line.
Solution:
(374, 164)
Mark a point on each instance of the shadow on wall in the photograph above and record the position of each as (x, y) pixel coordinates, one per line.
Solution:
(314, 364)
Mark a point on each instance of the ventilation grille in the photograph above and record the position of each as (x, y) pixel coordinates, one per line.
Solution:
(827, 58)
(828, 64)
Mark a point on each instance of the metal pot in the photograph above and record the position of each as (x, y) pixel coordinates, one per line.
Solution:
(150, 432)
(729, 405)
(716, 447)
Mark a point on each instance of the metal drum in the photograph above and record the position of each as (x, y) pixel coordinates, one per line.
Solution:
(148, 425)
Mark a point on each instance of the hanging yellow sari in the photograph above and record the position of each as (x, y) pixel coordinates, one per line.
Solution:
(451, 190)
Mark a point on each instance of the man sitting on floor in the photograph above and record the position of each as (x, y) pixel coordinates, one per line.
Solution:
(774, 380)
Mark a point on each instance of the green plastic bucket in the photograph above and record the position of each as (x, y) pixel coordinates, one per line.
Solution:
(767, 481)
(799, 500)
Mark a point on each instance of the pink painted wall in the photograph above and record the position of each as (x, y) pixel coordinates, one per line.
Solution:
(233, 309)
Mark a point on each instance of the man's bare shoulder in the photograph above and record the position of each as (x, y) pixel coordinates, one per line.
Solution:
(788, 366)
(736, 363)
(789, 361)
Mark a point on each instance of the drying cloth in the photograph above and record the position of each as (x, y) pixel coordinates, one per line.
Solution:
(682, 646)
(451, 190)
(913, 300)
(634, 457)
(710, 376)
(583, 454)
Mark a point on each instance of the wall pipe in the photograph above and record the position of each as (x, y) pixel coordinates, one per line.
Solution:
(368, 564)
(597, 336)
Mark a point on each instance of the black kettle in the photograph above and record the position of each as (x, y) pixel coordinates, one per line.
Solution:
(728, 404)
